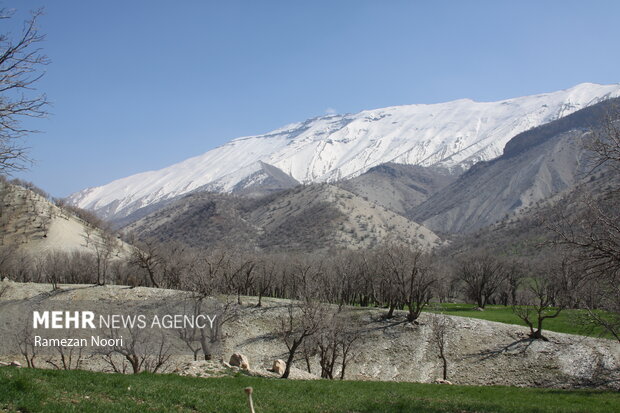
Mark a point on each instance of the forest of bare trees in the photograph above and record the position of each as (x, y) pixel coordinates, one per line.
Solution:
(393, 277)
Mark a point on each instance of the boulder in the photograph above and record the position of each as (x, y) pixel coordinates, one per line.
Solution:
(239, 360)
(278, 367)
(15, 364)
(442, 381)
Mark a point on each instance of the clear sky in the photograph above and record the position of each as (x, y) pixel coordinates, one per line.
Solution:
(140, 85)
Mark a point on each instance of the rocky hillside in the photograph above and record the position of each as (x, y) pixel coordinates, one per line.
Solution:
(305, 218)
(478, 352)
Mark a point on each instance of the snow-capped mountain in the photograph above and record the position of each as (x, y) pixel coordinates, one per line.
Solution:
(455, 135)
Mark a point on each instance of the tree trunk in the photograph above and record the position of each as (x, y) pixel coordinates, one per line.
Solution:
(291, 356)
(445, 366)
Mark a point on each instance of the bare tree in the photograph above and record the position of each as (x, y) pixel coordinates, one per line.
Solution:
(440, 325)
(407, 279)
(140, 349)
(68, 358)
(507, 291)
(25, 342)
(54, 266)
(265, 275)
(336, 342)
(240, 277)
(104, 248)
(176, 264)
(541, 297)
(604, 142)
(301, 321)
(20, 68)
(7, 254)
(206, 339)
(481, 276)
(147, 256)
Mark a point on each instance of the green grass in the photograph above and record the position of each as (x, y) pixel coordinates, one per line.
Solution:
(29, 390)
(567, 322)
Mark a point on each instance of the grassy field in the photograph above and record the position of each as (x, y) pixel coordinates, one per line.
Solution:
(567, 322)
(28, 390)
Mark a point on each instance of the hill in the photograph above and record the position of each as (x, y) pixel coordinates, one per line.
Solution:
(305, 218)
(31, 223)
(397, 187)
(479, 352)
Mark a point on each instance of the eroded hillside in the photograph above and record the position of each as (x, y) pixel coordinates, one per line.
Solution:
(478, 352)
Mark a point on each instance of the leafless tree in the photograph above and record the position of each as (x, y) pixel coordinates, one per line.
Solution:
(440, 325)
(208, 338)
(305, 274)
(104, 249)
(445, 288)
(147, 257)
(68, 358)
(481, 276)
(140, 349)
(336, 342)
(513, 274)
(408, 280)
(302, 320)
(20, 68)
(6, 259)
(177, 263)
(19, 266)
(81, 266)
(604, 142)
(25, 342)
(265, 275)
(542, 296)
(54, 266)
(345, 278)
(240, 277)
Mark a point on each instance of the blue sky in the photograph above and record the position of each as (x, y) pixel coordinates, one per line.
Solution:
(139, 85)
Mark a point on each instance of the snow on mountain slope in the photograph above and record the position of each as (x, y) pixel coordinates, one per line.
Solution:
(455, 134)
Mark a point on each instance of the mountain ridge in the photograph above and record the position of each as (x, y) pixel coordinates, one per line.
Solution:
(536, 165)
(453, 135)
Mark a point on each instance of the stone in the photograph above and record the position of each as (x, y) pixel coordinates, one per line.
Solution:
(15, 364)
(442, 381)
(239, 360)
(278, 367)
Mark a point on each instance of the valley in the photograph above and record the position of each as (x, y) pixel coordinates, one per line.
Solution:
(475, 267)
